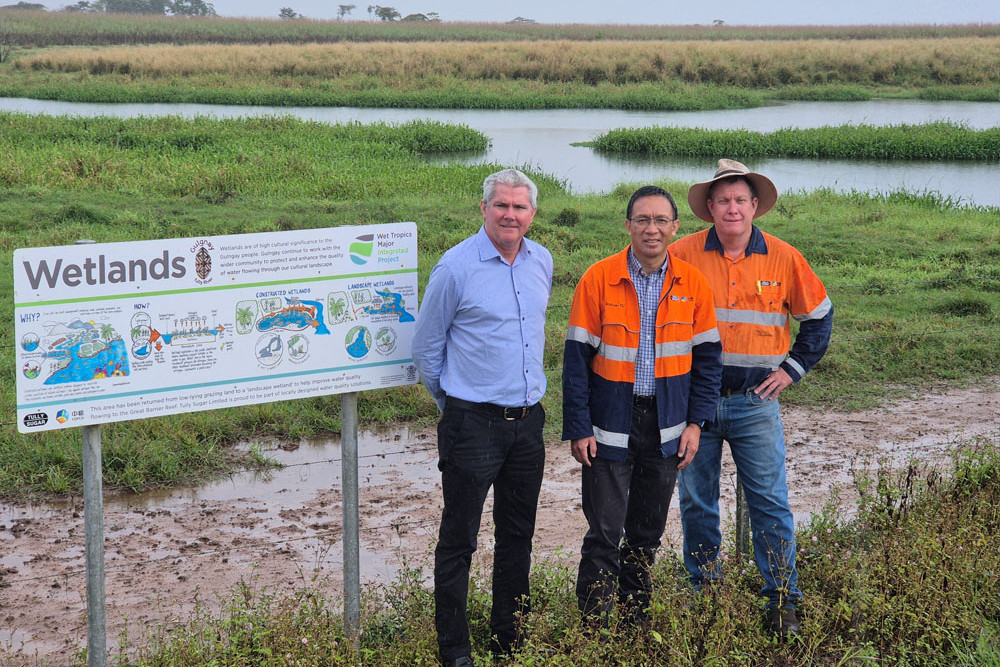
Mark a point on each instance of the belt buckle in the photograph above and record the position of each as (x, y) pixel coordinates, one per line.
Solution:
(512, 414)
(643, 402)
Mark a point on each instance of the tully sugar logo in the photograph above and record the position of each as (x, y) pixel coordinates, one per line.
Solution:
(36, 419)
(361, 249)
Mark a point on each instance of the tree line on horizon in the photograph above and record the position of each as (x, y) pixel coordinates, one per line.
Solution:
(203, 8)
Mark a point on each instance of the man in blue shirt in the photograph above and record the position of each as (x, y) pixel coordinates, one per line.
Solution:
(478, 344)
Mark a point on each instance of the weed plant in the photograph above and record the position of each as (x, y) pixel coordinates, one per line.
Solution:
(910, 578)
(915, 280)
(940, 141)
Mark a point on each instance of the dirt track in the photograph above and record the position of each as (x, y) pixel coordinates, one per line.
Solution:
(167, 552)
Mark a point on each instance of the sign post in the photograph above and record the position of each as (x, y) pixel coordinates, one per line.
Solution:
(93, 520)
(352, 529)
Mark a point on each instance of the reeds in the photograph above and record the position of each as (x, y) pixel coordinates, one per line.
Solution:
(741, 63)
(942, 141)
(219, 159)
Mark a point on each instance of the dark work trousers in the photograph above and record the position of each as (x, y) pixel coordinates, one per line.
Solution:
(625, 503)
(477, 450)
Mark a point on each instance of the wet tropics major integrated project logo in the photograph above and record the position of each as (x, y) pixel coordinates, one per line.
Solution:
(361, 249)
(380, 246)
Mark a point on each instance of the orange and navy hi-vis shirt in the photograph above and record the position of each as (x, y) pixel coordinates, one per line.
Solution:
(754, 297)
(601, 347)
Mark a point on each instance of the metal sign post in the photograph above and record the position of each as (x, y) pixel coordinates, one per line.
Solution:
(93, 520)
(352, 542)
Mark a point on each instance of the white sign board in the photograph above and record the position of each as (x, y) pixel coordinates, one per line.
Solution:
(117, 331)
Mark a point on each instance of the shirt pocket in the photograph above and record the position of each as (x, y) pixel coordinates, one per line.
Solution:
(769, 308)
(679, 314)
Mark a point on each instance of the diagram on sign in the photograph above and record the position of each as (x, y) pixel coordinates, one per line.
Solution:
(246, 315)
(272, 316)
(191, 329)
(269, 350)
(77, 351)
(293, 315)
(367, 303)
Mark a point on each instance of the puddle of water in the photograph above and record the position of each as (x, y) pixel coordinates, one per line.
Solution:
(12, 641)
(311, 466)
(387, 459)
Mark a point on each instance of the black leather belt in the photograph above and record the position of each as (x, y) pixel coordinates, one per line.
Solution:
(643, 402)
(728, 392)
(492, 409)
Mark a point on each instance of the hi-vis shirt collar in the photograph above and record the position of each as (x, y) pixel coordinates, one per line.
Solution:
(757, 243)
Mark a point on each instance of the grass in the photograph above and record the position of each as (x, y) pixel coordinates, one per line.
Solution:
(606, 73)
(941, 141)
(910, 579)
(915, 281)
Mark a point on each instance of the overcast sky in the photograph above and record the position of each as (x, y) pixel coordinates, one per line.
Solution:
(733, 12)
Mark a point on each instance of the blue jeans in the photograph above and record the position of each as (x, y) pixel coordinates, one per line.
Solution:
(625, 503)
(755, 434)
(477, 451)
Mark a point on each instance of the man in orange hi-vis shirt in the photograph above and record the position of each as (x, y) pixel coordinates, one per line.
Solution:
(758, 282)
(641, 371)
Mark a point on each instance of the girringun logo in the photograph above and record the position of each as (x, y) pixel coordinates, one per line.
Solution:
(361, 249)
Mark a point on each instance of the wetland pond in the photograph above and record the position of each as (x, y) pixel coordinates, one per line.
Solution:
(543, 140)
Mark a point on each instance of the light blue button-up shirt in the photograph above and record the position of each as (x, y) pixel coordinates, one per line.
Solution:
(480, 332)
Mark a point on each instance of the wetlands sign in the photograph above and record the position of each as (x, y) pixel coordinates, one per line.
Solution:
(117, 331)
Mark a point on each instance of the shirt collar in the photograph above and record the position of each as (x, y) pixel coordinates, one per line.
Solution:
(636, 268)
(757, 243)
(488, 251)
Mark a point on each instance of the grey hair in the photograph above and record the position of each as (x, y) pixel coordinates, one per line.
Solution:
(511, 178)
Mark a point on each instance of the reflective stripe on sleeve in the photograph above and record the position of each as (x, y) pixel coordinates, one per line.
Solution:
(611, 438)
(818, 313)
(581, 335)
(672, 432)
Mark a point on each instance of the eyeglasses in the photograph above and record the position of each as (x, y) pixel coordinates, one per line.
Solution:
(661, 223)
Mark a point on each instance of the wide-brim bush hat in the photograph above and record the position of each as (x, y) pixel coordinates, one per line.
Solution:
(767, 194)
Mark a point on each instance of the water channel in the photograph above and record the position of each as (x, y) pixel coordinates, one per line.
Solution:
(544, 139)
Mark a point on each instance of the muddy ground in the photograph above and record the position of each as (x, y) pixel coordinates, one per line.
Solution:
(168, 552)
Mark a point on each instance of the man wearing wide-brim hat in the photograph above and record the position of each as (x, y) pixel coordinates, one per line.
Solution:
(758, 283)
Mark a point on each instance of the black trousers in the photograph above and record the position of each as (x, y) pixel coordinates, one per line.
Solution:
(478, 449)
(625, 503)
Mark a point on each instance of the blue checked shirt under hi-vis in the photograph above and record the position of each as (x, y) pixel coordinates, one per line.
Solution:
(755, 295)
(648, 289)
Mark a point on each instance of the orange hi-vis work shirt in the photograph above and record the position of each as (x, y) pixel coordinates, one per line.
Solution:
(602, 342)
(754, 297)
